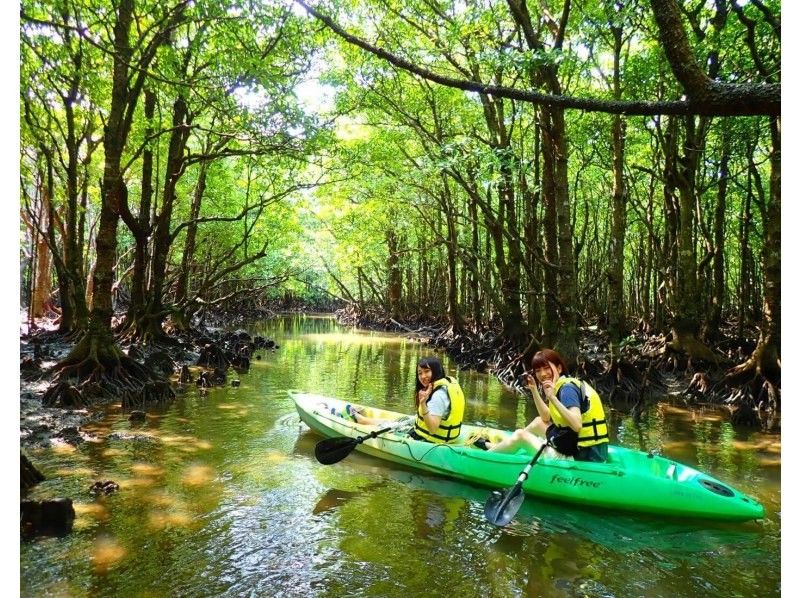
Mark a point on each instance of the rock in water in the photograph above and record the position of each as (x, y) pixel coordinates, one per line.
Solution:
(29, 475)
(46, 517)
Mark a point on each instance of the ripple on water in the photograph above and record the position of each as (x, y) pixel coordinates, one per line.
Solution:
(268, 542)
(290, 421)
(230, 501)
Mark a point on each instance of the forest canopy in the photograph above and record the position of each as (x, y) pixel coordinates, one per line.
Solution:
(524, 166)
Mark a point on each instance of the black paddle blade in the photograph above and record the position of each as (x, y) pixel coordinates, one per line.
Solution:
(333, 450)
(502, 506)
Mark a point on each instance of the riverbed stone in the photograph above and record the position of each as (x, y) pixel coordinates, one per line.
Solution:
(46, 517)
(29, 475)
(103, 487)
(137, 417)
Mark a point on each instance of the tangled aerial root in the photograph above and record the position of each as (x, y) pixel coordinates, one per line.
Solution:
(105, 377)
(751, 396)
(213, 356)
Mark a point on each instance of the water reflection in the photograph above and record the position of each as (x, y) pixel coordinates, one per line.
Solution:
(220, 494)
(332, 498)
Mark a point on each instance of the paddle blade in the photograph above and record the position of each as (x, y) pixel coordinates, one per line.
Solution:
(333, 450)
(502, 506)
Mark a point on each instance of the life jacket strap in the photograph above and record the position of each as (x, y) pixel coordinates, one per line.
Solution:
(593, 424)
(449, 432)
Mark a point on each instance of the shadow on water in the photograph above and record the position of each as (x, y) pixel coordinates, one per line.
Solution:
(619, 532)
(616, 531)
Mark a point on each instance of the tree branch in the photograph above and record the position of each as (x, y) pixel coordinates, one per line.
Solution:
(717, 97)
(727, 99)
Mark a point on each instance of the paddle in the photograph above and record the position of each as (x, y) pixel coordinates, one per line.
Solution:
(333, 450)
(502, 506)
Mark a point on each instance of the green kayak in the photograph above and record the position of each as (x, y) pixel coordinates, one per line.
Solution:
(631, 480)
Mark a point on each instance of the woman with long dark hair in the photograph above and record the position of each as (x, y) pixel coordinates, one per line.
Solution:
(438, 405)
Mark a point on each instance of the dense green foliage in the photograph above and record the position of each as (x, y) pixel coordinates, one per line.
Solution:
(426, 154)
(397, 193)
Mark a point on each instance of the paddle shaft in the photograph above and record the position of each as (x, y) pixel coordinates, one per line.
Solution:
(523, 475)
(373, 434)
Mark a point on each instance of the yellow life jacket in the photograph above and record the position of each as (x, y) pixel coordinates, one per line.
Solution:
(449, 428)
(595, 429)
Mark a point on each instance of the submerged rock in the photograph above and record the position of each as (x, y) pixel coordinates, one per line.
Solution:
(70, 435)
(29, 476)
(129, 437)
(103, 487)
(46, 518)
(137, 417)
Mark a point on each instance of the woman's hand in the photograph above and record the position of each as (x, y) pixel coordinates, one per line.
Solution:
(424, 394)
(538, 401)
(530, 383)
(549, 385)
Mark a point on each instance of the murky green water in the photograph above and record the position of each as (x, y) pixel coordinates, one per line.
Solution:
(224, 497)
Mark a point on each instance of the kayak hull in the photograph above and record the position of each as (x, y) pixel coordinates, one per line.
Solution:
(631, 480)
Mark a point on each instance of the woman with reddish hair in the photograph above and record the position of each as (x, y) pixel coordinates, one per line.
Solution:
(571, 414)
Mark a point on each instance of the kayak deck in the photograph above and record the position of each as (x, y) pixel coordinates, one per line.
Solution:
(630, 480)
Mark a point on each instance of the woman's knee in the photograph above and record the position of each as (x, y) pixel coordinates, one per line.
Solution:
(528, 438)
(537, 427)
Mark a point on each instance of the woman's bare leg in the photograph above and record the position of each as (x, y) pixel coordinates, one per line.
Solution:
(370, 421)
(529, 438)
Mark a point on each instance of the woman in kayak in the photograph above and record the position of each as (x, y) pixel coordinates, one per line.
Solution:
(438, 401)
(571, 414)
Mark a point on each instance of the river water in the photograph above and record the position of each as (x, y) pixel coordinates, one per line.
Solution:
(220, 495)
